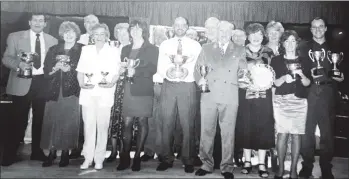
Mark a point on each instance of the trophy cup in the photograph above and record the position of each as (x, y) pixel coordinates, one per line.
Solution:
(64, 59)
(335, 59)
(131, 64)
(292, 68)
(28, 58)
(244, 79)
(104, 80)
(204, 70)
(317, 56)
(177, 71)
(89, 76)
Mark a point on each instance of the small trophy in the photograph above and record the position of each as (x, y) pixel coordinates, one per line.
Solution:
(64, 59)
(28, 58)
(177, 71)
(292, 68)
(335, 59)
(131, 64)
(244, 78)
(204, 70)
(89, 76)
(317, 56)
(104, 80)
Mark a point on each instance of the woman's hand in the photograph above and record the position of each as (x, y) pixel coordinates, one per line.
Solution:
(288, 78)
(106, 85)
(131, 71)
(87, 86)
(65, 68)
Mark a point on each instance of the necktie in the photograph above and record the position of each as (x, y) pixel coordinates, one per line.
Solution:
(90, 41)
(179, 48)
(37, 61)
(221, 49)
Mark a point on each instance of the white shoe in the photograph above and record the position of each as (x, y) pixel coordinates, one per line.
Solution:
(85, 165)
(98, 166)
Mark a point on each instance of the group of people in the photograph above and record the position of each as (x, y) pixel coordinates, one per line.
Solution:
(99, 85)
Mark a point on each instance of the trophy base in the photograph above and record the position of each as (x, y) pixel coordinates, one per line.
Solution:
(102, 83)
(335, 74)
(175, 73)
(89, 85)
(204, 89)
(129, 79)
(25, 76)
(319, 71)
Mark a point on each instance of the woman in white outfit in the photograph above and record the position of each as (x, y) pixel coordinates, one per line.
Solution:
(98, 62)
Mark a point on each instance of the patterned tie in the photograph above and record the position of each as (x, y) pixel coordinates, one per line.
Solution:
(221, 48)
(90, 40)
(37, 61)
(179, 48)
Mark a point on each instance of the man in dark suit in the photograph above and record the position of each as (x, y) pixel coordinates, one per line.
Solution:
(26, 92)
(225, 58)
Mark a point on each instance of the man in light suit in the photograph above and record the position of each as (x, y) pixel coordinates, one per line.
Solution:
(26, 92)
(221, 104)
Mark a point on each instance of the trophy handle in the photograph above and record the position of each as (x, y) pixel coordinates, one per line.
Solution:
(137, 62)
(342, 57)
(328, 56)
(323, 54)
(311, 55)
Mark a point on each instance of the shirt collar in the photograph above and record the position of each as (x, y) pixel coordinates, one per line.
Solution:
(225, 46)
(33, 34)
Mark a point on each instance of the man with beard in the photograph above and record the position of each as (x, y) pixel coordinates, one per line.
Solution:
(321, 106)
(178, 94)
(220, 104)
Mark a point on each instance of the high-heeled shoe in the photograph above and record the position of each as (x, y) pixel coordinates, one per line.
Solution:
(278, 177)
(246, 170)
(49, 161)
(136, 165)
(263, 173)
(112, 157)
(125, 161)
(64, 159)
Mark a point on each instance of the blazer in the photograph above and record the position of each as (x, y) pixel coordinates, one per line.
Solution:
(67, 81)
(143, 78)
(16, 43)
(223, 79)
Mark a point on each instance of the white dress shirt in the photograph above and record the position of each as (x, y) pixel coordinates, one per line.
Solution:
(107, 60)
(39, 71)
(225, 46)
(190, 48)
(84, 38)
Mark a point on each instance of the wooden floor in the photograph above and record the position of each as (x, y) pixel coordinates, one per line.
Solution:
(33, 169)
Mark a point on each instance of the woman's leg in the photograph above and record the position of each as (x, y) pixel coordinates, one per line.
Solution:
(262, 169)
(51, 157)
(127, 142)
(142, 135)
(246, 169)
(64, 158)
(295, 151)
(281, 147)
(90, 122)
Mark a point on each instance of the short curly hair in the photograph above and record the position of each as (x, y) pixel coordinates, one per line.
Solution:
(120, 26)
(253, 28)
(102, 26)
(67, 26)
(284, 37)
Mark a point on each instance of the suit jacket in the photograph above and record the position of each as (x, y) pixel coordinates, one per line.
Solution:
(16, 43)
(143, 78)
(223, 79)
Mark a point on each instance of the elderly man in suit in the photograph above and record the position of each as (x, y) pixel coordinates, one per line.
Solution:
(221, 103)
(26, 92)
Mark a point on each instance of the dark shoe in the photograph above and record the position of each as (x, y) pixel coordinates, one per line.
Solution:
(49, 161)
(277, 177)
(8, 162)
(197, 161)
(228, 175)
(64, 159)
(246, 170)
(189, 168)
(125, 161)
(39, 156)
(112, 157)
(305, 173)
(202, 172)
(136, 164)
(179, 155)
(327, 176)
(238, 162)
(263, 173)
(164, 166)
(147, 157)
(75, 154)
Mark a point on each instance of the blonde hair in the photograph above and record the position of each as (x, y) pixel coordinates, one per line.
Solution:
(276, 26)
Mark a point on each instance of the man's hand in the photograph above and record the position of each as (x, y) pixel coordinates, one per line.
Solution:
(339, 79)
(87, 86)
(23, 66)
(106, 85)
(315, 76)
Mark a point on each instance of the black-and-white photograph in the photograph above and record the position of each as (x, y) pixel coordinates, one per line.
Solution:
(174, 89)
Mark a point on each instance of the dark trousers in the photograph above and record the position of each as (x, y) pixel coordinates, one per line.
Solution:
(178, 98)
(321, 112)
(17, 126)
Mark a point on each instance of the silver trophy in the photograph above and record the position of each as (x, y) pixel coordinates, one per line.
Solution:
(292, 68)
(104, 80)
(178, 71)
(130, 64)
(244, 78)
(28, 58)
(89, 76)
(64, 59)
(335, 59)
(317, 56)
(204, 70)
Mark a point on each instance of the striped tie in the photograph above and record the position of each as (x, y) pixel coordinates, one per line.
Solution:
(221, 49)
(179, 48)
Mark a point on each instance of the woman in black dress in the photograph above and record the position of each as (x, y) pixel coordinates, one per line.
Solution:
(256, 123)
(138, 95)
(60, 130)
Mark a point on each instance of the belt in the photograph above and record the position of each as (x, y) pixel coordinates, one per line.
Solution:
(323, 82)
(157, 83)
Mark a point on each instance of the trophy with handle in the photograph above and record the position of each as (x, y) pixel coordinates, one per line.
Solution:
(89, 76)
(335, 59)
(317, 56)
(131, 65)
(293, 67)
(104, 80)
(178, 72)
(28, 58)
(64, 59)
(203, 71)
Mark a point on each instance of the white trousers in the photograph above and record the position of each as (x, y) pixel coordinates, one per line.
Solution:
(96, 122)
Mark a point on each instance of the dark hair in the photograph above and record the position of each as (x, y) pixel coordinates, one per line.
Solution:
(30, 17)
(284, 37)
(253, 28)
(143, 26)
(319, 18)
